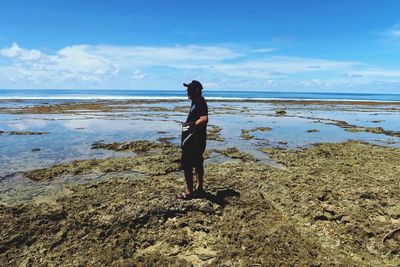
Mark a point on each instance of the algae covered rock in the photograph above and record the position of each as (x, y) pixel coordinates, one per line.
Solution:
(214, 133)
(234, 153)
(154, 158)
(130, 222)
(328, 204)
(26, 133)
(261, 129)
(139, 146)
(246, 134)
(342, 189)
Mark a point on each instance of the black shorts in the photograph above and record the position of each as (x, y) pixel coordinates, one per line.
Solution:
(192, 157)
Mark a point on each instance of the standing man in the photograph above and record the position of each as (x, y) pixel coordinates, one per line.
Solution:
(194, 135)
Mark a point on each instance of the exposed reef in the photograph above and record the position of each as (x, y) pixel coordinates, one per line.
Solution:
(280, 112)
(342, 195)
(26, 133)
(246, 134)
(320, 205)
(234, 153)
(328, 204)
(214, 133)
(152, 159)
(353, 128)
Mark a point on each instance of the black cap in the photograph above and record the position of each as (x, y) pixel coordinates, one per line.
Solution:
(194, 85)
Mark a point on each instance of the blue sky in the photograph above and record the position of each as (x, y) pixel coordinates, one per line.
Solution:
(323, 46)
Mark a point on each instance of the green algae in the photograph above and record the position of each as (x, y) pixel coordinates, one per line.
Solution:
(261, 129)
(354, 128)
(342, 195)
(164, 159)
(130, 222)
(331, 204)
(104, 106)
(65, 108)
(214, 133)
(246, 134)
(139, 146)
(375, 130)
(245, 109)
(26, 133)
(181, 109)
(234, 153)
(280, 112)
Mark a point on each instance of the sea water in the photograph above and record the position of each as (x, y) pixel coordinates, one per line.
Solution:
(70, 136)
(181, 94)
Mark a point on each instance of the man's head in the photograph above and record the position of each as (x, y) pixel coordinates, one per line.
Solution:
(193, 89)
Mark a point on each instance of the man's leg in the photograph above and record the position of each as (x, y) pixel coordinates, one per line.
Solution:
(199, 166)
(199, 175)
(189, 179)
(187, 165)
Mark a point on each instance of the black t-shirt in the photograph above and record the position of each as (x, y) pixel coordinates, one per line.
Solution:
(197, 109)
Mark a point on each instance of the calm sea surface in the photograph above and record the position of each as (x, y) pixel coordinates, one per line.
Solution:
(178, 94)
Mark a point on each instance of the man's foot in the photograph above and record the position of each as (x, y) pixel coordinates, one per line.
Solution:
(185, 196)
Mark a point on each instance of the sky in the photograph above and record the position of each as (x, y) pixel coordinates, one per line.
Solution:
(272, 45)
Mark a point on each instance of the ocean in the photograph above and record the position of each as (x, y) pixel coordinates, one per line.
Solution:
(181, 94)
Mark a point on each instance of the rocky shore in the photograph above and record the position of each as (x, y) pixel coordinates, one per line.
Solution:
(329, 204)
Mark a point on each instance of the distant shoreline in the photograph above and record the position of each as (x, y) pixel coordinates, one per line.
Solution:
(213, 99)
(179, 95)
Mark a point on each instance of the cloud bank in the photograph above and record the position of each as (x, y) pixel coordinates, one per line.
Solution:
(151, 67)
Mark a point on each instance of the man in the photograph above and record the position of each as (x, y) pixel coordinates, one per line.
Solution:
(194, 135)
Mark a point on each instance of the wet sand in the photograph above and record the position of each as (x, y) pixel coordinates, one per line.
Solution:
(319, 204)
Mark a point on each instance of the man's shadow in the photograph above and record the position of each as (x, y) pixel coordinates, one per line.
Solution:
(220, 196)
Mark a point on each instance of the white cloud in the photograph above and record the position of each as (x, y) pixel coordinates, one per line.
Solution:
(394, 31)
(137, 74)
(74, 63)
(353, 75)
(376, 73)
(210, 84)
(166, 56)
(311, 82)
(263, 50)
(282, 66)
(141, 67)
(14, 51)
(80, 59)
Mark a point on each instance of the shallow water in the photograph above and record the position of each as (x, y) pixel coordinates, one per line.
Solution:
(70, 136)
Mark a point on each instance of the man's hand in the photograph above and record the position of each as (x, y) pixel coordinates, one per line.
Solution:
(188, 126)
(202, 120)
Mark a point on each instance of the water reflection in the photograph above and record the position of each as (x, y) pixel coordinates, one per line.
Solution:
(70, 136)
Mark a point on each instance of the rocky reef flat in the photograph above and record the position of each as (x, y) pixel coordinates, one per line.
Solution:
(331, 204)
(324, 204)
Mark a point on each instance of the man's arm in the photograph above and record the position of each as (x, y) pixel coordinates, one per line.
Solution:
(202, 121)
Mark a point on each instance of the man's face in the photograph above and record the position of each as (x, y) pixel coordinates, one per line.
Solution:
(192, 94)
